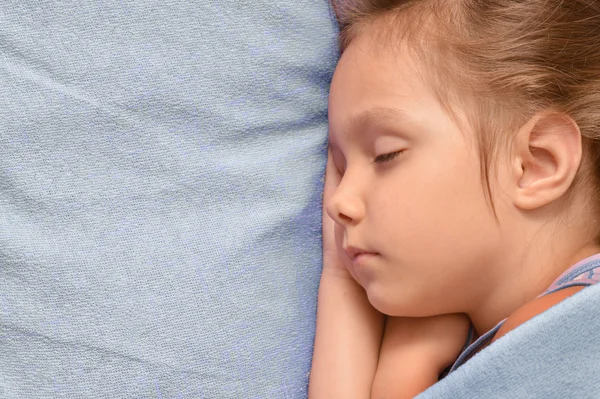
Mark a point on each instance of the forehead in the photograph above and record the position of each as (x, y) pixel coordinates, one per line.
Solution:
(373, 81)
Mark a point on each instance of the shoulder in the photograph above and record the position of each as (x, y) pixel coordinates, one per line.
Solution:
(535, 307)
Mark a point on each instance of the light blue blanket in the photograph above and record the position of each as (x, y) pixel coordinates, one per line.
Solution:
(555, 355)
(160, 189)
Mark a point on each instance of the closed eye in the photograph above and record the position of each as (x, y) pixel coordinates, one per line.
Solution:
(387, 157)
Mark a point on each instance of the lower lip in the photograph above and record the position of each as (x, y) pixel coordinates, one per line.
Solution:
(361, 259)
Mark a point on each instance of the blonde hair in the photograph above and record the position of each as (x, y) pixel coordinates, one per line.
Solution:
(514, 57)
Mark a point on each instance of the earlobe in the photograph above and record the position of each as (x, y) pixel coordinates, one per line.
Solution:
(547, 156)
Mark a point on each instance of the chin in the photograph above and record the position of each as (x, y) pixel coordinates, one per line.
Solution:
(382, 303)
(396, 307)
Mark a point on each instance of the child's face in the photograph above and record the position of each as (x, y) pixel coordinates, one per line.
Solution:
(424, 211)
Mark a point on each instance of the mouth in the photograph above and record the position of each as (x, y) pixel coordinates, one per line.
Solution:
(363, 259)
(358, 254)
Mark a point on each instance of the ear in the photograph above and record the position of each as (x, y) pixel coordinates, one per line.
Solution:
(547, 155)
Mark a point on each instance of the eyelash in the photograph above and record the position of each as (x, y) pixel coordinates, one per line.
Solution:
(387, 157)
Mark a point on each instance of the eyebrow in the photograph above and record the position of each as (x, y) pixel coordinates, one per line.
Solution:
(377, 116)
(372, 117)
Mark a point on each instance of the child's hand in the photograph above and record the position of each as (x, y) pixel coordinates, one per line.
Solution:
(349, 329)
(334, 259)
(415, 351)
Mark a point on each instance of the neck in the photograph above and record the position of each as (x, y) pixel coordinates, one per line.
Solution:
(527, 272)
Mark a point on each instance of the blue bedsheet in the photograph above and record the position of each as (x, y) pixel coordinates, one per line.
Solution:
(160, 190)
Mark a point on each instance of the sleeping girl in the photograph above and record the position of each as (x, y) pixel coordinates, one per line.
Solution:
(461, 185)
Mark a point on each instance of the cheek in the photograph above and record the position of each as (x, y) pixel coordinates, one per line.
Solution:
(433, 213)
(429, 194)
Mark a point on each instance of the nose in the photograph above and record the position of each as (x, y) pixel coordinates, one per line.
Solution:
(345, 207)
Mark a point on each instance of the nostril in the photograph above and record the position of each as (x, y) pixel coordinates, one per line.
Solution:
(344, 217)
